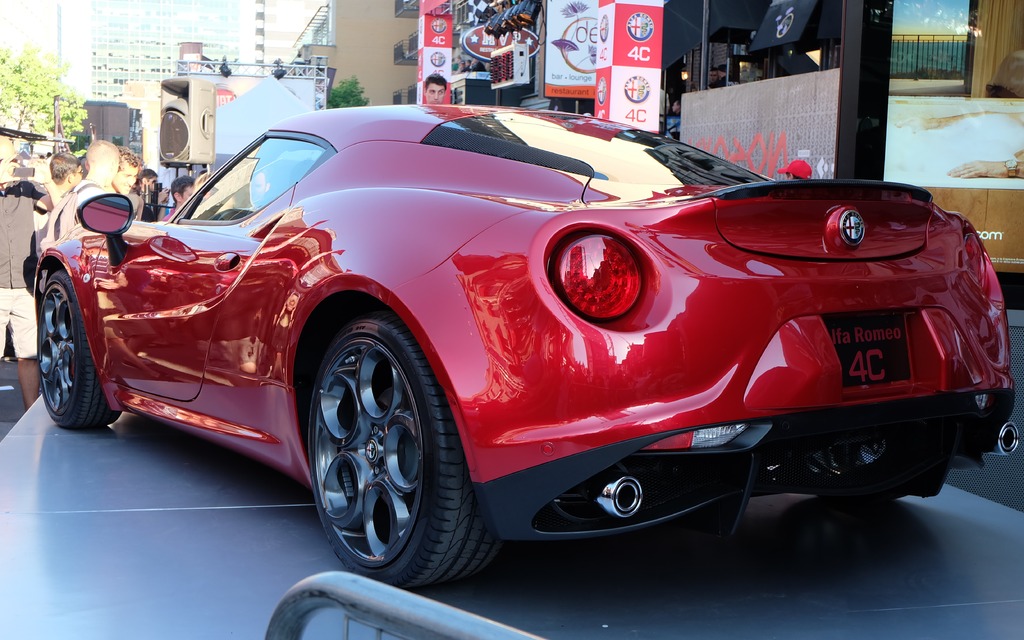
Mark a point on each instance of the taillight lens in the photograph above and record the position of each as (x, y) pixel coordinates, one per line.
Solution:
(975, 257)
(598, 276)
(706, 438)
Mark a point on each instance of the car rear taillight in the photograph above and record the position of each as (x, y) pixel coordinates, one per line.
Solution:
(598, 276)
(974, 256)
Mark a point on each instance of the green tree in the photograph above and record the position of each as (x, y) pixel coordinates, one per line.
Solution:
(28, 83)
(347, 93)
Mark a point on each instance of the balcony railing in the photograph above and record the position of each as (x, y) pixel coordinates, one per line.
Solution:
(926, 57)
(407, 8)
(407, 50)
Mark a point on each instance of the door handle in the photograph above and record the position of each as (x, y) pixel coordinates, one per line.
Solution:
(227, 261)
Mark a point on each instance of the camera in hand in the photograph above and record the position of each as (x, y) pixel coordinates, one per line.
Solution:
(25, 173)
(153, 195)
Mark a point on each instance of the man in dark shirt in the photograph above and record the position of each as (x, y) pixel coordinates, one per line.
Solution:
(19, 202)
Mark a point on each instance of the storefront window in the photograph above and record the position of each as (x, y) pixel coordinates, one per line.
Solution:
(956, 113)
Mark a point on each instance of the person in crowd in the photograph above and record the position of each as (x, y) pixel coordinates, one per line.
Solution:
(66, 172)
(102, 161)
(146, 188)
(181, 189)
(201, 179)
(434, 89)
(129, 166)
(673, 119)
(717, 76)
(19, 201)
(146, 182)
(796, 170)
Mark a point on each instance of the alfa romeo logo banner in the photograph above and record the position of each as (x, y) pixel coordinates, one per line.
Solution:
(435, 55)
(628, 73)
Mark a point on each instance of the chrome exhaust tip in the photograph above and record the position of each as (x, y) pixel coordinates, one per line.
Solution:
(1008, 439)
(622, 497)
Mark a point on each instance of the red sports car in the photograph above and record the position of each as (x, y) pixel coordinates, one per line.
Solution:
(463, 325)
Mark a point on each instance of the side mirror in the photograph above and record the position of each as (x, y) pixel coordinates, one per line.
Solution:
(110, 214)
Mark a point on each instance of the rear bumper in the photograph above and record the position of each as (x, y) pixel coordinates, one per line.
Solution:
(902, 446)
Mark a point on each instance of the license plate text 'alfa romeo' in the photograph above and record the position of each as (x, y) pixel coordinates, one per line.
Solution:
(871, 349)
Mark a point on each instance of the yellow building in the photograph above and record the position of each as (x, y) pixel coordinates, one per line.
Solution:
(373, 40)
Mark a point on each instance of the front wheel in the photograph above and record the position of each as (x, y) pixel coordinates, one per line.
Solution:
(69, 379)
(387, 468)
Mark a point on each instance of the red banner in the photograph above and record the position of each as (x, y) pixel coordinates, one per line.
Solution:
(629, 62)
(430, 6)
(435, 58)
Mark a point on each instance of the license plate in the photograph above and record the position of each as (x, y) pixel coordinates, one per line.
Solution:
(871, 349)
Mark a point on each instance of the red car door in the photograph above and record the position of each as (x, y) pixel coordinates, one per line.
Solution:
(159, 306)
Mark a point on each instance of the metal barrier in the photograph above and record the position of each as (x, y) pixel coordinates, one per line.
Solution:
(928, 57)
(372, 606)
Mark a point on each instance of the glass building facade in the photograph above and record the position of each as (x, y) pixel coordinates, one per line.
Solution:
(138, 40)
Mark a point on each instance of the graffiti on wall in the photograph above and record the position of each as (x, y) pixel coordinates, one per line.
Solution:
(762, 153)
(757, 126)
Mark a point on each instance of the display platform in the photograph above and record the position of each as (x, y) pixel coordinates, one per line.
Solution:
(139, 531)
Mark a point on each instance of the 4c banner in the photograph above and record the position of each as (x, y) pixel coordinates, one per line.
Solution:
(628, 86)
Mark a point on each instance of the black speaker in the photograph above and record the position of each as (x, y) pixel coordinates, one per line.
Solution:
(188, 108)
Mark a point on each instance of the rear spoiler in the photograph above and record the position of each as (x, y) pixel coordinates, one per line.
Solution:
(849, 189)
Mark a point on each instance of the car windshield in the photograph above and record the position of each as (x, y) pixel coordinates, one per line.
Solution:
(615, 152)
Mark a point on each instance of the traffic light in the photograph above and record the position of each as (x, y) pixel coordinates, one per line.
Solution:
(188, 108)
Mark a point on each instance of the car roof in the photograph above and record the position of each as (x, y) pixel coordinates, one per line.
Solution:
(402, 123)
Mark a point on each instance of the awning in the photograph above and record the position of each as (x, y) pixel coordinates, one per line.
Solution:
(731, 20)
(784, 23)
(683, 28)
(22, 135)
(830, 27)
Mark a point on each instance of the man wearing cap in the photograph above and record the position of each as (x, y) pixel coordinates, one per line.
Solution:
(796, 170)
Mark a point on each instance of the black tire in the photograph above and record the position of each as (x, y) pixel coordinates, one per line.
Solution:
(70, 384)
(387, 468)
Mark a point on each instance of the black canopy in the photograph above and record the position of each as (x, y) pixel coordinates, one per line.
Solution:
(784, 23)
(684, 23)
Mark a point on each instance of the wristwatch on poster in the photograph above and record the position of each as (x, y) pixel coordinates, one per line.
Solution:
(1011, 168)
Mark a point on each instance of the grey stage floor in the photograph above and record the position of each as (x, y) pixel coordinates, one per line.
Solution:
(140, 532)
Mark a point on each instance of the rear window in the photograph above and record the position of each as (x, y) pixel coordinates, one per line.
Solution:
(594, 148)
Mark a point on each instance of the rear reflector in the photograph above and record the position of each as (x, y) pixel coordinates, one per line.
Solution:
(699, 439)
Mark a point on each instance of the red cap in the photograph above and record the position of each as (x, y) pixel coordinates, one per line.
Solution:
(798, 168)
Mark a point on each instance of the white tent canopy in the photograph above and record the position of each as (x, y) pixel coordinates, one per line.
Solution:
(245, 118)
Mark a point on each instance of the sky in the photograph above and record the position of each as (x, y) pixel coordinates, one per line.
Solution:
(76, 46)
(930, 17)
